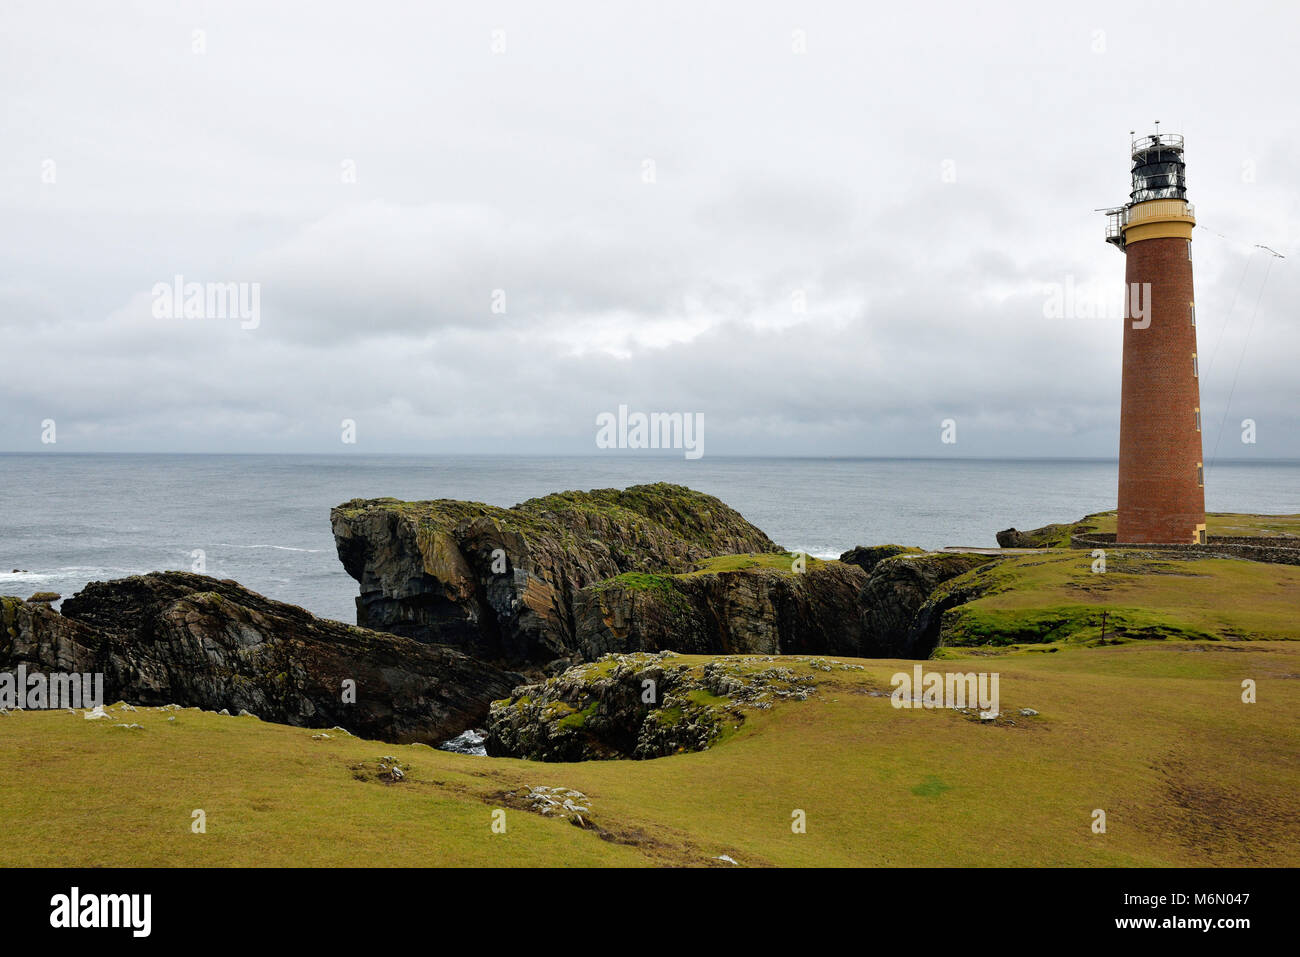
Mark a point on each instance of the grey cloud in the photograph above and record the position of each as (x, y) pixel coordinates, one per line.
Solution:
(819, 175)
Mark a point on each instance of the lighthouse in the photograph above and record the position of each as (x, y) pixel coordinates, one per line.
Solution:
(1161, 472)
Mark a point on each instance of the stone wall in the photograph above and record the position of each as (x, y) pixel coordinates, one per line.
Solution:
(1278, 551)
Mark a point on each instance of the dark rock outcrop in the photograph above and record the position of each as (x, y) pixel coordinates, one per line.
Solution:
(925, 633)
(867, 557)
(831, 608)
(175, 637)
(1048, 536)
(636, 706)
(500, 583)
(34, 634)
(757, 610)
(898, 590)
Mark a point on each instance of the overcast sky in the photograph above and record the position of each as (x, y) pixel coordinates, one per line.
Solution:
(856, 218)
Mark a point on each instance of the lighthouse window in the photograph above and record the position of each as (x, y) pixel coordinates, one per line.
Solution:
(1191, 311)
(1200, 474)
(1198, 420)
(1189, 250)
(1195, 371)
(1158, 174)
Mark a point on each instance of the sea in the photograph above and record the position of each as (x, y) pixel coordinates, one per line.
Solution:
(263, 520)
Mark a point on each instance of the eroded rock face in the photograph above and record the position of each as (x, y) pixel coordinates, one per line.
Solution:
(500, 583)
(34, 634)
(831, 608)
(925, 633)
(174, 637)
(750, 611)
(894, 601)
(637, 706)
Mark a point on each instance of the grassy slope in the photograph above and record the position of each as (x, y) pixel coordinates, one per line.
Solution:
(1142, 591)
(1154, 733)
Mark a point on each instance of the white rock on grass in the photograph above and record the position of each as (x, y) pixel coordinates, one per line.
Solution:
(547, 800)
(95, 714)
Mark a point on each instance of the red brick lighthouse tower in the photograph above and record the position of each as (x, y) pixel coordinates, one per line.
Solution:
(1161, 473)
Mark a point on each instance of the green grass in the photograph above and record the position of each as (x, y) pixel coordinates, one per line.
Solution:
(1227, 524)
(638, 581)
(776, 561)
(1154, 733)
(1055, 596)
(640, 509)
(719, 565)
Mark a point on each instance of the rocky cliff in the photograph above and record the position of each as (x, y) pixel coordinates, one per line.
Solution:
(897, 604)
(500, 582)
(762, 605)
(174, 637)
(752, 604)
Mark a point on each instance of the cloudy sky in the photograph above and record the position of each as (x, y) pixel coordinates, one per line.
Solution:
(827, 227)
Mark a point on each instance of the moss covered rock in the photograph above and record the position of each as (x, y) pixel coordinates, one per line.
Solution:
(638, 706)
(500, 582)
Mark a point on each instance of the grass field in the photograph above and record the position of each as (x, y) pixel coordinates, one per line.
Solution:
(1153, 733)
(1225, 524)
(1055, 595)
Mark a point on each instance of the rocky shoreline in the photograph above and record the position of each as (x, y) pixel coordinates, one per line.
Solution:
(532, 626)
(462, 604)
(180, 638)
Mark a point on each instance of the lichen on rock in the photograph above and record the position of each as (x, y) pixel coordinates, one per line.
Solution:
(638, 706)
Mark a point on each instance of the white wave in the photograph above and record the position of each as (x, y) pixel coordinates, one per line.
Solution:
(816, 552)
(76, 573)
(472, 742)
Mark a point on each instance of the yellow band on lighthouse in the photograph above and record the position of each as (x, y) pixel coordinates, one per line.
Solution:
(1159, 219)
